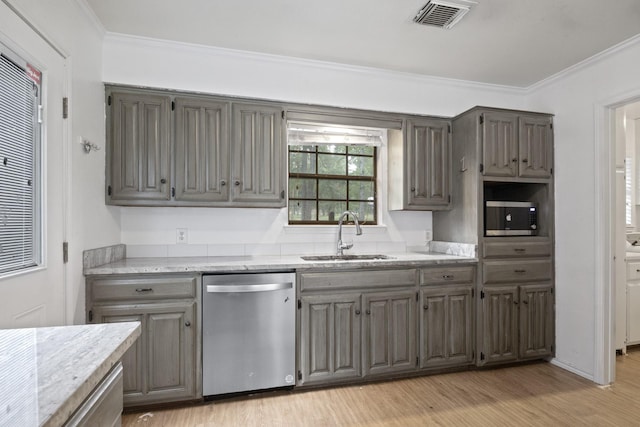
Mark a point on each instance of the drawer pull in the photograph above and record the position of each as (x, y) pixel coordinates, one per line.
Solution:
(357, 312)
(448, 276)
(520, 271)
(144, 290)
(520, 250)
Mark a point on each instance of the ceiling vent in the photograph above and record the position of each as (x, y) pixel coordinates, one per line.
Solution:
(443, 13)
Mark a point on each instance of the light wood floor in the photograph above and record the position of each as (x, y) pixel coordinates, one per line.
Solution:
(533, 395)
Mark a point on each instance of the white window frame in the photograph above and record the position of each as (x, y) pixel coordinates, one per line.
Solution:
(36, 257)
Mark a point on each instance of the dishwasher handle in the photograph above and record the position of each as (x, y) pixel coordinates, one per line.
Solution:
(261, 287)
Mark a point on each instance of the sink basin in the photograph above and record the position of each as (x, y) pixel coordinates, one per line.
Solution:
(344, 257)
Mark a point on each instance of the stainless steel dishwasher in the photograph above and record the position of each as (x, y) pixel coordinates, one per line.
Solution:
(248, 332)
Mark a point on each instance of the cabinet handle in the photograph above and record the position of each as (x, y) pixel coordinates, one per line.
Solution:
(143, 290)
(236, 183)
(426, 307)
(357, 312)
(525, 302)
(520, 271)
(223, 183)
(515, 302)
(163, 181)
(187, 323)
(447, 276)
(524, 160)
(368, 311)
(514, 160)
(520, 250)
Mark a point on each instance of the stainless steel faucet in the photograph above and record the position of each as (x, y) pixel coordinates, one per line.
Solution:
(342, 246)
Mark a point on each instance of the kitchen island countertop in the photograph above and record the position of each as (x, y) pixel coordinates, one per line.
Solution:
(48, 372)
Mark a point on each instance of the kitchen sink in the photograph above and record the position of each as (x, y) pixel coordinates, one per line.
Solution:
(344, 257)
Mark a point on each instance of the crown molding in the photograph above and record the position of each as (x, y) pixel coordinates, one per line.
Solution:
(584, 64)
(92, 17)
(153, 43)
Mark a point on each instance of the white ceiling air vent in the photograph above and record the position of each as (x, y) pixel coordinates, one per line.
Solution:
(443, 13)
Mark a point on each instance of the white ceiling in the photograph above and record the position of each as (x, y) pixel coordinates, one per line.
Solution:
(506, 42)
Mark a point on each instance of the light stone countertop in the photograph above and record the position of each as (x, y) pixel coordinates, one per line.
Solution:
(48, 372)
(263, 263)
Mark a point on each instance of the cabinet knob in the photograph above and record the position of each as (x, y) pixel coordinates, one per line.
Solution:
(163, 181)
(413, 188)
(426, 307)
(368, 311)
(236, 183)
(514, 160)
(525, 302)
(447, 276)
(187, 323)
(524, 160)
(357, 312)
(223, 183)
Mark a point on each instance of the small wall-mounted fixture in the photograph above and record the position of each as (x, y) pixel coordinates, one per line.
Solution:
(88, 146)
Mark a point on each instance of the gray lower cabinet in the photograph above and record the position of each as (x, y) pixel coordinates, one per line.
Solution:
(329, 338)
(103, 407)
(517, 322)
(389, 332)
(446, 326)
(164, 363)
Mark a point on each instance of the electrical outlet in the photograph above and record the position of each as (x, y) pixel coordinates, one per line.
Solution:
(182, 235)
(428, 236)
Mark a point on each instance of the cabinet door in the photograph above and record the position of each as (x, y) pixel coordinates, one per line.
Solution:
(428, 163)
(536, 147)
(161, 366)
(499, 144)
(500, 324)
(202, 150)
(138, 138)
(536, 321)
(258, 155)
(389, 332)
(329, 338)
(446, 326)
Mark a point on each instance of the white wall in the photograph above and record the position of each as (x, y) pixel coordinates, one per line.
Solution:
(574, 97)
(154, 63)
(90, 223)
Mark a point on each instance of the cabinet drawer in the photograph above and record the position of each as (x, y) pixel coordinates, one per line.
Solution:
(633, 270)
(357, 279)
(143, 288)
(516, 249)
(447, 275)
(516, 271)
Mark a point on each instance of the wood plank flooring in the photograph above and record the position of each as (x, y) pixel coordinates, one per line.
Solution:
(533, 395)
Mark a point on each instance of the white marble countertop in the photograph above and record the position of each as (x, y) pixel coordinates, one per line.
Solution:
(261, 263)
(48, 372)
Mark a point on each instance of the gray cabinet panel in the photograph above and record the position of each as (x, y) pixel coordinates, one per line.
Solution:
(536, 147)
(138, 155)
(258, 154)
(202, 150)
(510, 271)
(465, 274)
(389, 331)
(365, 279)
(329, 338)
(536, 321)
(500, 324)
(428, 163)
(500, 144)
(517, 249)
(446, 321)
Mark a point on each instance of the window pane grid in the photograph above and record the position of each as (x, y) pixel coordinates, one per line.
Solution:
(324, 181)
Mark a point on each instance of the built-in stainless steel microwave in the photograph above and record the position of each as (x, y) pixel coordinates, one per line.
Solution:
(503, 218)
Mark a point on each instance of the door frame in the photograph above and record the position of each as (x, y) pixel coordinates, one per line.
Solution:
(605, 289)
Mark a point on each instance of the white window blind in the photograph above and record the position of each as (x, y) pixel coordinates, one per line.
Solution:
(19, 164)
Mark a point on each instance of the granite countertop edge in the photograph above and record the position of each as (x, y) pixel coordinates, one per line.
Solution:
(267, 262)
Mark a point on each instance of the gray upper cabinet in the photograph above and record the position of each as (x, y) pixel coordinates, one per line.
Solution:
(420, 165)
(500, 149)
(138, 157)
(201, 150)
(536, 147)
(517, 145)
(258, 155)
(389, 331)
